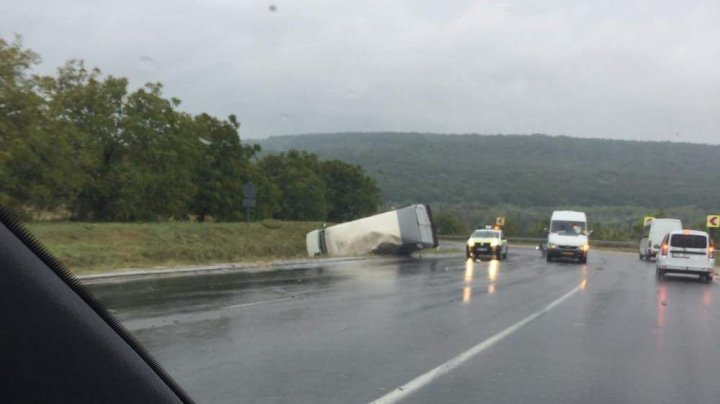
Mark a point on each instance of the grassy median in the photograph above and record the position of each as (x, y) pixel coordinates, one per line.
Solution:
(99, 247)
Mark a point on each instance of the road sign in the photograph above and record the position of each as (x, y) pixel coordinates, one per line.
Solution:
(713, 221)
(249, 190)
(647, 219)
(500, 221)
(250, 199)
(250, 194)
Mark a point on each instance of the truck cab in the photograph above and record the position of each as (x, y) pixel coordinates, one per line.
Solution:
(568, 236)
(486, 242)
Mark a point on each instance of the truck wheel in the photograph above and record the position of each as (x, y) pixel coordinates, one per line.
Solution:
(548, 258)
(505, 255)
(659, 273)
(583, 259)
(642, 257)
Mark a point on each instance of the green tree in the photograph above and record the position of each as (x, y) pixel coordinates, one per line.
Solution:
(88, 113)
(131, 154)
(302, 191)
(511, 228)
(350, 192)
(33, 171)
(154, 175)
(224, 167)
(538, 229)
(448, 223)
(82, 141)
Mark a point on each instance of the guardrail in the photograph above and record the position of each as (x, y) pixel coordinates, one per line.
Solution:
(537, 241)
(615, 244)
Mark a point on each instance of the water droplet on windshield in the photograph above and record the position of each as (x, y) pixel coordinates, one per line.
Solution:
(146, 63)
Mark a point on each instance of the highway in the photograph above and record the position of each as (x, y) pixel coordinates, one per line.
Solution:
(433, 330)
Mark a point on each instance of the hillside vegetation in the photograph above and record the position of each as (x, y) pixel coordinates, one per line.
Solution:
(533, 170)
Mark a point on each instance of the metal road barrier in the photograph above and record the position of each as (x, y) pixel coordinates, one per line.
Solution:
(537, 241)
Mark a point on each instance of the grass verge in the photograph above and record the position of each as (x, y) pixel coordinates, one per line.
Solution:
(101, 247)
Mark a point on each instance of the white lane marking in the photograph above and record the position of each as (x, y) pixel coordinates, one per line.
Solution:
(419, 382)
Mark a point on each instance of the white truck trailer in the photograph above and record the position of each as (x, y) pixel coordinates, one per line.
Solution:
(400, 231)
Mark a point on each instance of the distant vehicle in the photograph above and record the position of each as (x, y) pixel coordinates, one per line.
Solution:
(400, 231)
(688, 252)
(653, 234)
(488, 242)
(567, 236)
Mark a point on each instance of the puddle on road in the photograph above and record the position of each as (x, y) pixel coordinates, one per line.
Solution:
(166, 295)
(172, 294)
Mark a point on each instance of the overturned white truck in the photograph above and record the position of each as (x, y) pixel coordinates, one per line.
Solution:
(400, 231)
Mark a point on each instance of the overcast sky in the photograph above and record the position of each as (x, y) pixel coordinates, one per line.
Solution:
(645, 70)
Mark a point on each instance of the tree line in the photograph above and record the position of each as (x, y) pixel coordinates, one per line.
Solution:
(86, 144)
(524, 170)
(619, 223)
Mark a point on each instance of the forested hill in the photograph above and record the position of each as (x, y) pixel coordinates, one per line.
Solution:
(533, 170)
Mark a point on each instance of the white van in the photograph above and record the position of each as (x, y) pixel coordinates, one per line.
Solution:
(653, 234)
(686, 252)
(568, 236)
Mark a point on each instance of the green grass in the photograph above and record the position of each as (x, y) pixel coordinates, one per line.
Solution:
(99, 247)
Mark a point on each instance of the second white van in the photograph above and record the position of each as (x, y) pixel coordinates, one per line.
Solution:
(653, 234)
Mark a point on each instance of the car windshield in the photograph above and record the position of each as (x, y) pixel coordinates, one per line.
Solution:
(485, 234)
(688, 241)
(567, 227)
(275, 196)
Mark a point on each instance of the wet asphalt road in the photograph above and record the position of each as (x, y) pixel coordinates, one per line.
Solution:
(357, 331)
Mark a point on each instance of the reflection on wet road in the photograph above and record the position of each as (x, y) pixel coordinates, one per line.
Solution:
(356, 331)
(467, 289)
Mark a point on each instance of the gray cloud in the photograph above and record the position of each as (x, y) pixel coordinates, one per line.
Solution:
(643, 70)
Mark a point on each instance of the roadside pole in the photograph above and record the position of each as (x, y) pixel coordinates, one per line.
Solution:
(712, 223)
(249, 201)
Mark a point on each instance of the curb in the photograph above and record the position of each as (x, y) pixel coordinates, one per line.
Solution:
(136, 273)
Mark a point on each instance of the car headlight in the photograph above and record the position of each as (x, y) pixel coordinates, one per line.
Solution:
(552, 245)
(494, 243)
(470, 243)
(586, 247)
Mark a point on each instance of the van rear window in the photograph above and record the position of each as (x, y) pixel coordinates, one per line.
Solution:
(688, 241)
